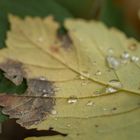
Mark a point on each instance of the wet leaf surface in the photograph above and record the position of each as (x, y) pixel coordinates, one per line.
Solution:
(84, 84)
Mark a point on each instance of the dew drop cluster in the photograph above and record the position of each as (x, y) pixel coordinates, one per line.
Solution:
(125, 58)
(72, 100)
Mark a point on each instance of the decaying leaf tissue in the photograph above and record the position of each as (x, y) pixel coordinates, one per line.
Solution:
(88, 78)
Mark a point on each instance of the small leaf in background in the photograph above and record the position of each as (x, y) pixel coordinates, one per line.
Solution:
(94, 72)
(9, 87)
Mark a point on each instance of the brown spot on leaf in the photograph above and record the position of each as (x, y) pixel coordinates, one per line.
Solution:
(54, 49)
(32, 107)
(13, 71)
(133, 47)
(96, 125)
(38, 87)
(114, 108)
(66, 41)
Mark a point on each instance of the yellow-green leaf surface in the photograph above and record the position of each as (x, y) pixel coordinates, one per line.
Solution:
(95, 72)
(106, 43)
(123, 127)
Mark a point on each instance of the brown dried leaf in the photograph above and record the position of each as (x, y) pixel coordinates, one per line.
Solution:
(29, 109)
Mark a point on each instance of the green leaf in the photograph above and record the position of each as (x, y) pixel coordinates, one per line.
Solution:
(9, 87)
(2, 117)
(81, 8)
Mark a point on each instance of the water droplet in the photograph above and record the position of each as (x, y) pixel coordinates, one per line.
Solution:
(125, 58)
(113, 62)
(53, 112)
(82, 77)
(90, 103)
(85, 73)
(110, 90)
(72, 100)
(68, 125)
(42, 78)
(135, 58)
(98, 73)
(125, 55)
(84, 83)
(44, 91)
(115, 83)
(35, 123)
(45, 94)
(110, 51)
(40, 39)
(104, 109)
